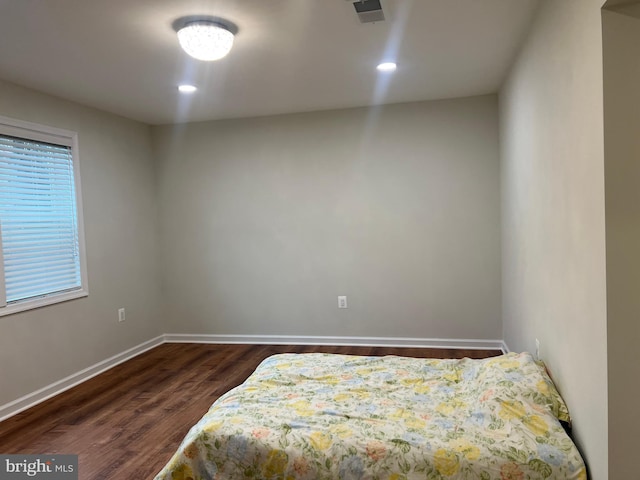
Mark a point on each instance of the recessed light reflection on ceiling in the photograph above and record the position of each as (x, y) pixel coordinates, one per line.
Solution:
(386, 67)
(187, 88)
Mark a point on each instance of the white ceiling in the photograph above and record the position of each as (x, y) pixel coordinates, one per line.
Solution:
(626, 7)
(122, 56)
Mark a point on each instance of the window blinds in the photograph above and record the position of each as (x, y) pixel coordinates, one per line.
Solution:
(38, 219)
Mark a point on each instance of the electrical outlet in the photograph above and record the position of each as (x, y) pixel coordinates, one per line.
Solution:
(121, 315)
(342, 301)
(537, 349)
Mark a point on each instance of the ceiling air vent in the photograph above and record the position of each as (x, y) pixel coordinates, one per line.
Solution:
(369, 11)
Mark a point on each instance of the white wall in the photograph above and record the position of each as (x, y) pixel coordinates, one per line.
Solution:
(553, 223)
(622, 181)
(265, 221)
(40, 347)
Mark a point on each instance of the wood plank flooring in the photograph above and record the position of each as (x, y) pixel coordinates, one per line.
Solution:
(127, 422)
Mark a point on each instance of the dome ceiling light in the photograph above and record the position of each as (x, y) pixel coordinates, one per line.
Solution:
(205, 38)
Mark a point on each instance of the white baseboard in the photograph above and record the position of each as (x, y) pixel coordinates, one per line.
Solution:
(337, 341)
(13, 408)
(504, 347)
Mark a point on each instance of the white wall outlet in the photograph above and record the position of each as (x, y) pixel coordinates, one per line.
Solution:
(121, 315)
(342, 301)
(537, 349)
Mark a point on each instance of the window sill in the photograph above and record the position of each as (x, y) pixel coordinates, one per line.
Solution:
(42, 302)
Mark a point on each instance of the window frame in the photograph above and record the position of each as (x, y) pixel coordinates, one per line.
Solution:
(44, 133)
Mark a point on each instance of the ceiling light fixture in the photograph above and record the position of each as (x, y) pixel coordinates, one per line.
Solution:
(205, 38)
(386, 67)
(187, 88)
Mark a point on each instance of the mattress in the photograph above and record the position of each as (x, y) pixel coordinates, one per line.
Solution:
(327, 416)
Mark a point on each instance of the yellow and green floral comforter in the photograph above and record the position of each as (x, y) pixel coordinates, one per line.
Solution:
(324, 416)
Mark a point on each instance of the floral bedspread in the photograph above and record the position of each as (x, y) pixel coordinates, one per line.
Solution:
(325, 416)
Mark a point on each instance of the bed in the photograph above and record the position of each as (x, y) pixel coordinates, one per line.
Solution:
(328, 416)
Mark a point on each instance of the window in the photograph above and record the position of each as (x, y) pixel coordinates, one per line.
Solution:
(41, 236)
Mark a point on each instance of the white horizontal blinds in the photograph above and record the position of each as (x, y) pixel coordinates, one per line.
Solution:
(39, 218)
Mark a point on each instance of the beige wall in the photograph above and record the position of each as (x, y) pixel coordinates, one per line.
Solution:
(265, 221)
(42, 346)
(553, 242)
(622, 181)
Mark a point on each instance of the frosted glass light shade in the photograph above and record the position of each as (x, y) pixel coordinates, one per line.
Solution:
(205, 40)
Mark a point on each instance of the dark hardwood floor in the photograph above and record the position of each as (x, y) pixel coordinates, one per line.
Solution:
(127, 422)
